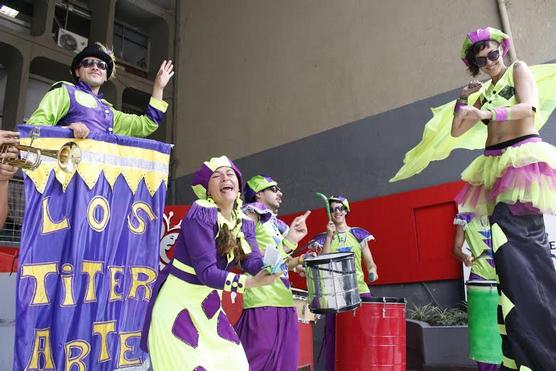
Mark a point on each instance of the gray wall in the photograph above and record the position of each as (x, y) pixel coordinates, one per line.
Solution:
(356, 159)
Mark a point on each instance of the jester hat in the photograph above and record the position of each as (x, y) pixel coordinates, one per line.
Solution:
(202, 176)
(99, 51)
(256, 184)
(483, 34)
(339, 199)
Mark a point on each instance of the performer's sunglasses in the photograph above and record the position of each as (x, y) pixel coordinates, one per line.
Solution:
(337, 209)
(274, 189)
(87, 63)
(492, 56)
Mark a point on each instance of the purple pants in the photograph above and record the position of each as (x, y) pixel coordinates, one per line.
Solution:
(329, 340)
(487, 366)
(270, 337)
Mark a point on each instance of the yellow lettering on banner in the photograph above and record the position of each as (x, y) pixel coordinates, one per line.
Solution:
(140, 228)
(48, 225)
(115, 282)
(124, 348)
(39, 272)
(42, 352)
(102, 203)
(103, 329)
(67, 281)
(75, 362)
(136, 282)
(91, 269)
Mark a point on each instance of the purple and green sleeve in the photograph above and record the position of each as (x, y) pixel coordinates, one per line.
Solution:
(52, 108)
(140, 126)
(253, 262)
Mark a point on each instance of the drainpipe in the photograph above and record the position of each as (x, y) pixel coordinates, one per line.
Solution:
(505, 20)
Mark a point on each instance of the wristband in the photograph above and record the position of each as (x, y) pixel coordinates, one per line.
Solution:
(290, 245)
(500, 114)
(458, 107)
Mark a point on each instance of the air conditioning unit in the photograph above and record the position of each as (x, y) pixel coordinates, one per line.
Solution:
(71, 41)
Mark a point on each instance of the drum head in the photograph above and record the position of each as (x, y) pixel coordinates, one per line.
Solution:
(327, 258)
(384, 300)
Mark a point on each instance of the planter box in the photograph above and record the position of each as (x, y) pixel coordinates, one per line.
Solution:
(436, 346)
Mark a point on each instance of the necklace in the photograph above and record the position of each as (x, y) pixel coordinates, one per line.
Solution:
(342, 237)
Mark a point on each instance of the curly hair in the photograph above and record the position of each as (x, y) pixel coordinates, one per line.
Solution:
(226, 244)
(472, 53)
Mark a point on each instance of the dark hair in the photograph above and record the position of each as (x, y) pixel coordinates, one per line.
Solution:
(226, 243)
(472, 51)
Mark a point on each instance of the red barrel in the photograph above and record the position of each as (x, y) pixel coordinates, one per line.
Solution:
(305, 362)
(372, 337)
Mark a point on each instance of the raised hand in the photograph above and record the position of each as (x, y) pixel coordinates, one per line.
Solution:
(298, 228)
(164, 74)
(472, 87)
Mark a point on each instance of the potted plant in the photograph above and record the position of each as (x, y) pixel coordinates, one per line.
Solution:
(436, 337)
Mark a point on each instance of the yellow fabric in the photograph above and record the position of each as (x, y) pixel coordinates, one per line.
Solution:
(169, 353)
(498, 239)
(484, 171)
(183, 267)
(437, 142)
(160, 105)
(94, 161)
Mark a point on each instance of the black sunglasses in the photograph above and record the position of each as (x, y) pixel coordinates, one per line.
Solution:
(87, 63)
(338, 209)
(273, 188)
(492, 56)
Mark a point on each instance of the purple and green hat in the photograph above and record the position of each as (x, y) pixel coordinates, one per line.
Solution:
(483, 34)
(202, 176)
(340, 199)
(256, 184)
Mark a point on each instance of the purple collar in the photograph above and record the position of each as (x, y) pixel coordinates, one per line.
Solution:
(85, 87)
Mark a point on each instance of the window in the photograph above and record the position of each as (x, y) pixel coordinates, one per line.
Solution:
(17, 14)
(131, 47)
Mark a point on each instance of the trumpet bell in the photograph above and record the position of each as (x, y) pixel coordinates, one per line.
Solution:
(30, 158)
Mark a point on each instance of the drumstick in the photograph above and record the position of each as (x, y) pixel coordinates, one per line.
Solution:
(325, 199)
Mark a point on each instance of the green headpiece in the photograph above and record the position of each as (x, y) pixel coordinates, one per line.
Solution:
(483, 34)
(256, 184)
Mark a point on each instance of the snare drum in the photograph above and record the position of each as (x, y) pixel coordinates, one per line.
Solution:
(304, 314)
(332, 283)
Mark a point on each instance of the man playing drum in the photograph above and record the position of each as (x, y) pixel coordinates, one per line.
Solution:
(485, 343)
(339, 237)
(268, 326)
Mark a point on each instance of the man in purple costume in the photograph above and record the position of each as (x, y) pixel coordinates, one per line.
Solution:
(268, 326)
(81, 108)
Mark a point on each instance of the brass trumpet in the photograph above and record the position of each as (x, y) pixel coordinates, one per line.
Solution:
(68, 156)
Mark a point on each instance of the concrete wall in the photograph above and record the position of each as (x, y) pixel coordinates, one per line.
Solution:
(327, 95)
(258, 74)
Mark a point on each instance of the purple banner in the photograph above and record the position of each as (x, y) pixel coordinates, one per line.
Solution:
(89, 255)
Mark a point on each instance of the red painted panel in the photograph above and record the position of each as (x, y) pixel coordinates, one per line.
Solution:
(413, 232)
(8, 259)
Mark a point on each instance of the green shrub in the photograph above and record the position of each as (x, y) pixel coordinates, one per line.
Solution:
(436, 316)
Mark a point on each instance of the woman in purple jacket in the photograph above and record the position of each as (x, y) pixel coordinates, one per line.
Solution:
(186, 328)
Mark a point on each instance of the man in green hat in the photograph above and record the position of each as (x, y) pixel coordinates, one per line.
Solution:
(274, 345)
